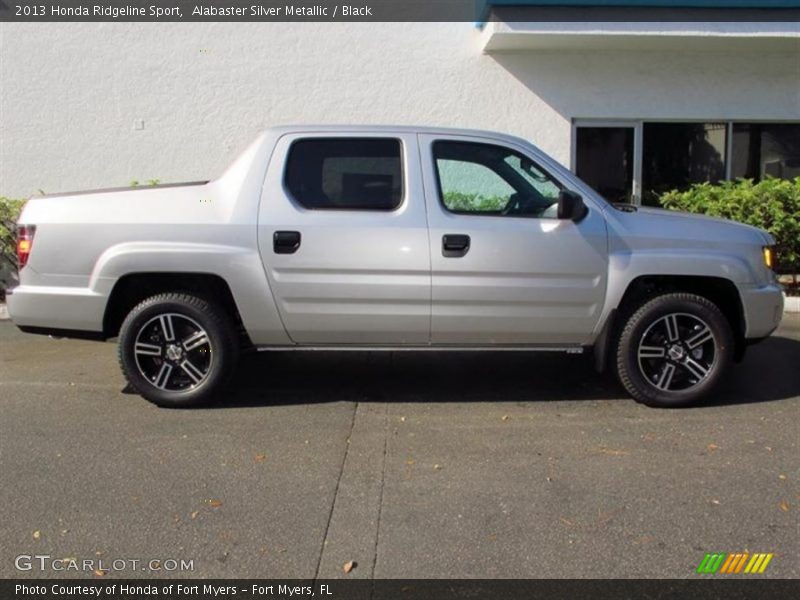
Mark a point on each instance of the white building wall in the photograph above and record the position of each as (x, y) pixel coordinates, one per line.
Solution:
(72, 95)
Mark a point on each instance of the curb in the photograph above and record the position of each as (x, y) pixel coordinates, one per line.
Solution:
(791, 304)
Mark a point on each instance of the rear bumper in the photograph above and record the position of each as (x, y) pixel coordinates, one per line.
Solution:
(56, 308)
(763, 310)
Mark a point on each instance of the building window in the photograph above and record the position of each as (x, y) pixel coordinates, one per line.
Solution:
(677, 155)
(345, 173)
(639, 161)
(765, 149)
(605, 160)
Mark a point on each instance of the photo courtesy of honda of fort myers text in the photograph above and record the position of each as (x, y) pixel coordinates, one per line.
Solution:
(451, 299)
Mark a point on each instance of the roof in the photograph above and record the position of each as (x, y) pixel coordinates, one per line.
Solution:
(388, 129)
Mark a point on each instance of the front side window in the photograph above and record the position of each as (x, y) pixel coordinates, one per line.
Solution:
(486, 179)
(345, 173)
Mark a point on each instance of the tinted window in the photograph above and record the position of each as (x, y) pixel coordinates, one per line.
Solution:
(677, 155)
(766, 149)
(492, 180)
(345, 173)
(604, 160)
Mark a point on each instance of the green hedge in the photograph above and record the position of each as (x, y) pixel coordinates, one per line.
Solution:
(9, 213)
(771, 204)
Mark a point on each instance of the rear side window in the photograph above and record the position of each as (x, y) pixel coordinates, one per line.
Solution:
(345, 173)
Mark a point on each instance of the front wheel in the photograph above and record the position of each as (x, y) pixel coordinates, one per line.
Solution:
(674, 350)
(177, 350)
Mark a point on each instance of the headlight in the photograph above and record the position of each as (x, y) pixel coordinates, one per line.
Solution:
(769, 256)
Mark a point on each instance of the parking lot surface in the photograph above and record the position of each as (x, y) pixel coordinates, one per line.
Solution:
(409, 464)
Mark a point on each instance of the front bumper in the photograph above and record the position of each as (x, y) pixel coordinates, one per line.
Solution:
(763, 309)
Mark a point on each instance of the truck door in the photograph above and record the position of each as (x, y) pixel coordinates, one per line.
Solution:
(505, 269)
(343, 237)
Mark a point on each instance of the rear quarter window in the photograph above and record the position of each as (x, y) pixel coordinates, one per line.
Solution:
(345, 173)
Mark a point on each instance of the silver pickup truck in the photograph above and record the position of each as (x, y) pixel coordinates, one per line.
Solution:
(392, 238)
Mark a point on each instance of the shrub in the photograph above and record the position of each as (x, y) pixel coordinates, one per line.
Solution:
(771, 204)
(9, 212)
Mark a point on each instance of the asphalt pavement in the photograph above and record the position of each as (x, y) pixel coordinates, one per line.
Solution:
(408, 464)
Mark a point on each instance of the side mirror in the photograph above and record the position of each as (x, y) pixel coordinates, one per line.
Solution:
(571, 206)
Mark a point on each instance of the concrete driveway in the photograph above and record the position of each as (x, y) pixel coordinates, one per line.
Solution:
(413, 465)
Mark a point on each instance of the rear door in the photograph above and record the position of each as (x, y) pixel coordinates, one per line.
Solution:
(505, 269)
(343, 237)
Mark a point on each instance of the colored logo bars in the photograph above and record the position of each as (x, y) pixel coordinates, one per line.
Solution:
(720, 562)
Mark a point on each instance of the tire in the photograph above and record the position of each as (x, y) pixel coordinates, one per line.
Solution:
(674, 350)
(178, 350)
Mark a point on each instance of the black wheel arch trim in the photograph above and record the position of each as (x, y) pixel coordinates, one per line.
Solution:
(134, 287)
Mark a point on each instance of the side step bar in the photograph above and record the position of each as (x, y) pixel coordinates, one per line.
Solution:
(429, 348)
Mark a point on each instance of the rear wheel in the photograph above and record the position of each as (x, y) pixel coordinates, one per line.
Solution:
(674, 350)
(177, 350)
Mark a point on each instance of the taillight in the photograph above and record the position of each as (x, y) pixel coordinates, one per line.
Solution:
(24, 243)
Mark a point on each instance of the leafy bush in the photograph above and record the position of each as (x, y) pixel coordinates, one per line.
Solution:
(771, 204)
(9, 212)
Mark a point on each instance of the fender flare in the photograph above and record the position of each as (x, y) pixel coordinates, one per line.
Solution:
(240, 268)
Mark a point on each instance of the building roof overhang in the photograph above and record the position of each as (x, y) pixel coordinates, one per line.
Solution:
(636, 25)
(485, 7)
(499, 36)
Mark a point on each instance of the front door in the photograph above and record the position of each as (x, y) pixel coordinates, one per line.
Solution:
(343, 236)
(505, 269)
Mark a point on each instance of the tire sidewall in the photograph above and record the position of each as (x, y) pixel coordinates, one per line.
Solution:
(199, 311)
(649, 314)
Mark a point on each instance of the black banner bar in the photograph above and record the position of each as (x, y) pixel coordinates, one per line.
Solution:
(239, 11)
(714, 588)
(476, 11)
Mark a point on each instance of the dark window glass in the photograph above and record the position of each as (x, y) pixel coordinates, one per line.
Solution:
(765, 149)
(604, 160)
(345, 173)
(486, 179)
(676, 155)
